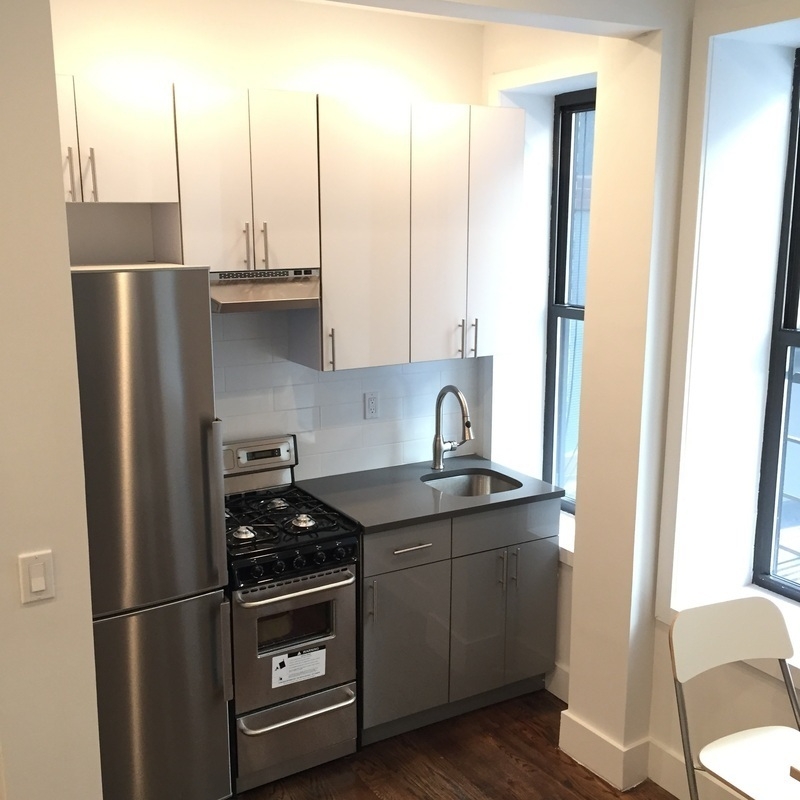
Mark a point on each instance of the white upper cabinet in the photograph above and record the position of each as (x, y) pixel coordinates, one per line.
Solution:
(68, 125)
(439, 214)
(214, 172)
(466, 191)
(125, 147)
(497, 147)
(283, 140)
(248, 177)
(365, 223)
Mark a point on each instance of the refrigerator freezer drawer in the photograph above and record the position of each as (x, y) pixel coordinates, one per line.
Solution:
(294, 736)
(162, 690)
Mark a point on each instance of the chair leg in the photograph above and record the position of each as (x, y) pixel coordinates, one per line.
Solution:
(691, 777)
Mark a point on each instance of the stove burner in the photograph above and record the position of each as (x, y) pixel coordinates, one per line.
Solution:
(244, 532)
(278, 504)
(304, 522)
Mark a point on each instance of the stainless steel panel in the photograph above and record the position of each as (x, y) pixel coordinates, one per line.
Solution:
(161, 702)
(296, 735)
(152, 457)
(253, 668)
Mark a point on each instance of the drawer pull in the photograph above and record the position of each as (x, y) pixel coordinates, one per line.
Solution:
(412, 549)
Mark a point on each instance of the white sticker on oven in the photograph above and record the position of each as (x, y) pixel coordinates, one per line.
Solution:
(299, 666)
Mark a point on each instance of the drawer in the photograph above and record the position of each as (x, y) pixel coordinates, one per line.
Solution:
(406, 547)
(507, 526)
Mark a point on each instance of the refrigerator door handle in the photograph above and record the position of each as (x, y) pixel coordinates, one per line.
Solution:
(216, 498)
(225, 649)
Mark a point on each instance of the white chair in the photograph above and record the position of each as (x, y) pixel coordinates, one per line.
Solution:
(759, 763)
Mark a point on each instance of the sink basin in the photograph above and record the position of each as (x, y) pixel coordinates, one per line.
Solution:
(473, 482)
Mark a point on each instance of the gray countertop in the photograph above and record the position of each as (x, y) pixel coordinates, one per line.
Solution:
(393, 496)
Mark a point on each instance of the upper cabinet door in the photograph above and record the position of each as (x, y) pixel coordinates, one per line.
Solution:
(497, 146)
(214, 163)
(283, 141)
(68, 126)
(439, 212)
(127, 141)
(365, 221)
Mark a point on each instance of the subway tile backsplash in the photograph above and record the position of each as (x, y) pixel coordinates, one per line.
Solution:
(260, 393)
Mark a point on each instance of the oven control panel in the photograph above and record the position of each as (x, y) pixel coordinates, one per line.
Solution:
(287, 562)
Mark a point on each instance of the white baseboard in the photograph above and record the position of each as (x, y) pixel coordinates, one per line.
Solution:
(622, 767)
(666, 769)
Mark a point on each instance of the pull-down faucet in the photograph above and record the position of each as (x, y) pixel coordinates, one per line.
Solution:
(439, 445)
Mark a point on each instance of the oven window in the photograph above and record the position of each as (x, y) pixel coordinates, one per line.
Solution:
(295, 627)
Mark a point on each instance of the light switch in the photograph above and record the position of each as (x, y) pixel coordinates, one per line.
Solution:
(36, 577)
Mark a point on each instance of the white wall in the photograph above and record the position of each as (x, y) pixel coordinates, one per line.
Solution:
(48, 722)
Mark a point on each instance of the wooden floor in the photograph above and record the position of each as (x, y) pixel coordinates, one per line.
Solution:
(508, 752)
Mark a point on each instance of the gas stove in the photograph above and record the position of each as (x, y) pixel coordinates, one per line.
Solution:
(278, 530)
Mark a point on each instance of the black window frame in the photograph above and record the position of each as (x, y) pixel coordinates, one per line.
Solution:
(565, 106)
(785, 336)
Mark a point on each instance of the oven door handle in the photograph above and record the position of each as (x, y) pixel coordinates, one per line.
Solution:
(348, 581)
(351, 698)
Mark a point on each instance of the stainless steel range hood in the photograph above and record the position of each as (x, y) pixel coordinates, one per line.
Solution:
(264, 290)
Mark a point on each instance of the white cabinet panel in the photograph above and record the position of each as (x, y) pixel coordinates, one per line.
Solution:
(439, 209)
(68, 126)
(214, 165)
(365, 222)
(127, 140)
(283, 140)
(497, 142)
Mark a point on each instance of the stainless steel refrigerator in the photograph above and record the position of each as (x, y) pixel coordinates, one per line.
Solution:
(152, 456)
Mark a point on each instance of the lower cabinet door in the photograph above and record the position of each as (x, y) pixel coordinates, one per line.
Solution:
(531, 609)
(477, 637)
(406, 642)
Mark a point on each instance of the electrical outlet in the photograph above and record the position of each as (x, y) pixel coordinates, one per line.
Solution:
(371, 408)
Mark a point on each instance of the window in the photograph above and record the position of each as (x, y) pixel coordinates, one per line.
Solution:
(569, 238)
(776, 562)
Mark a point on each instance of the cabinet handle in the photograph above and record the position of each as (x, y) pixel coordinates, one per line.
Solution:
(412, 549)
(504, 572)
(93, 172)
(332, 362)
(247, 245)
(515, 573)
(475, 341)
(374, 611)
(71, 165)
(462, 352)
(266, 245)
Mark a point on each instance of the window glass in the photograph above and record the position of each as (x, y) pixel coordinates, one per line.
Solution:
(580, 198)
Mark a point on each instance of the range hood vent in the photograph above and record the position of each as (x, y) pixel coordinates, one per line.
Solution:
(264, 290)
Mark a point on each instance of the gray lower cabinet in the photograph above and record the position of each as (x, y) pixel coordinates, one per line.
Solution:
(503, 622)
(406, 619)
(457, 608)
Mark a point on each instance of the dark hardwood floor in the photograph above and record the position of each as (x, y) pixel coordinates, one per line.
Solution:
(507, 751)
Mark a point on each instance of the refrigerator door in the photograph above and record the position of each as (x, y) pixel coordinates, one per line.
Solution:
(163, 682)
(152, 452)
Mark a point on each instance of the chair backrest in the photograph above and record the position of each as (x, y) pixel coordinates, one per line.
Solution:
(720, 633)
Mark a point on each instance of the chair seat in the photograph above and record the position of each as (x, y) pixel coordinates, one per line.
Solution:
(756, 762)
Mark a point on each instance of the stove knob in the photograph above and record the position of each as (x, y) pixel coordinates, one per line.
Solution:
(299, 562)
(258, 571)
(339, 553)
(278, 567)
(320, 557)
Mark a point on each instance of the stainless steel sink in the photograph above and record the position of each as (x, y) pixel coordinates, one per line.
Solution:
(471, 482)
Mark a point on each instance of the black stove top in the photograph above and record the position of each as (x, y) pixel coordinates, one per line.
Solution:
(285, 516)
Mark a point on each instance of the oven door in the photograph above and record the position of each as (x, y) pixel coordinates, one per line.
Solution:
(294, 637)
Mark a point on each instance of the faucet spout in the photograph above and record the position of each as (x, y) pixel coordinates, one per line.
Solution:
(440, 446)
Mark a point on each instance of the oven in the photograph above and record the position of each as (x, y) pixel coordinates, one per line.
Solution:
(293, 566)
